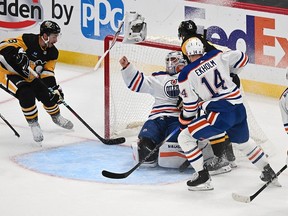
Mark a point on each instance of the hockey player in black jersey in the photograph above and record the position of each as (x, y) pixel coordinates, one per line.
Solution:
(36, 51)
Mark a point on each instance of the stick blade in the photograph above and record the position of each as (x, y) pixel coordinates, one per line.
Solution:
(115, 141)
(112, 175)
(241, 198)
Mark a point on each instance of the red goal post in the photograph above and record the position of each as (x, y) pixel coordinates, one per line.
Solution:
(108, 67)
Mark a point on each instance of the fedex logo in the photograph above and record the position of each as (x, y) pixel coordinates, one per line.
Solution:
(100, 17)
(256, 40)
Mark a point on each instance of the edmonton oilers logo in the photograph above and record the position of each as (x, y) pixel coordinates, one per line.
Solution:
(171, 88)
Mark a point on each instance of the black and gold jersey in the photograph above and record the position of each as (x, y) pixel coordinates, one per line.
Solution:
(36, 54)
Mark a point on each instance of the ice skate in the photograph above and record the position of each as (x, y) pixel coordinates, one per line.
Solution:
(267, 174)
(229, 154)
(200, 181)
(145, 146)
(218, 166)
(36, 131)
(149, 164)
(151, 161)
(62, 122)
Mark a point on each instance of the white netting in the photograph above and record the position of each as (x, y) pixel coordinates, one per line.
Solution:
(128, 110)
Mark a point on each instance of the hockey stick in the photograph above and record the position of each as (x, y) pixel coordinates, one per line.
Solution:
(126, 174)
(103, 140)
(9, 125)
(248, 199)
(112, 44)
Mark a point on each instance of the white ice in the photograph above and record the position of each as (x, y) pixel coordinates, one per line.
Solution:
(28, 193)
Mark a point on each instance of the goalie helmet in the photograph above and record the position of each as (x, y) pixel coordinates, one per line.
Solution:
(174, 62)
(187, 28)
(193, 46)
(49, 27)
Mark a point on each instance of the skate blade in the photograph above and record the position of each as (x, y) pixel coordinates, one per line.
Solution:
(232, 164)
(37, 144)
(276, 183)
(222, 170)
(202, 187)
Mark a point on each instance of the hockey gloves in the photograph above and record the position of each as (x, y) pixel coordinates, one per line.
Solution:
(235, 79)
(184, 121)
(22, 61)
(56, 94)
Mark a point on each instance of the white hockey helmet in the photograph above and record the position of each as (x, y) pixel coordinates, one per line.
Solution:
(174, 62)
(193, 46)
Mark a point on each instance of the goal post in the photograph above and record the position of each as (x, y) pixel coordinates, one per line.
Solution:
(112, 67)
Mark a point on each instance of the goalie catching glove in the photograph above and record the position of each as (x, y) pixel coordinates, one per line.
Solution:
(135, 28)
(56, 94)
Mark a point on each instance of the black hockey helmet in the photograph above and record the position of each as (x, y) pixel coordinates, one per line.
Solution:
(187, 28)
(49, 27)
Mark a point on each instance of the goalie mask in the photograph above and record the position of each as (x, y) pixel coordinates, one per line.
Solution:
(135, 28)
(174, 62)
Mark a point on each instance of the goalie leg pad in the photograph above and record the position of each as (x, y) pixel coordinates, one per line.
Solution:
(171, 155)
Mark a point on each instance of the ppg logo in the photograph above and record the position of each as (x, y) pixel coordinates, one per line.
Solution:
(100, 18)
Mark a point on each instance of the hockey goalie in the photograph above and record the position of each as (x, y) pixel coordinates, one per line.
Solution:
(163, 118)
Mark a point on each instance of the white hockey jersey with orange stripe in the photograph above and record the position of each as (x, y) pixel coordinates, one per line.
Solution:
(208, 78)
(162, 86)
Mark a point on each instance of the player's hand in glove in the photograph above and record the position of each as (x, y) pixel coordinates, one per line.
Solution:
(235, 79)
(56, 94)
(184, 121)
(22, 60)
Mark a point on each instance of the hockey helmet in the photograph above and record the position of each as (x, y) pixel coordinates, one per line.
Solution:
(187, 28)
(174, 62)
(49, 27)
(193, 46)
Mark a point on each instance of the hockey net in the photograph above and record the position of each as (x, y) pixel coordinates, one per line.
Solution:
(126, 111)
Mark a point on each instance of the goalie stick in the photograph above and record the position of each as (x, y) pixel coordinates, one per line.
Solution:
(9, 125)
(103, 140)
(248, 199)
(126, 174)
(111, 46)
